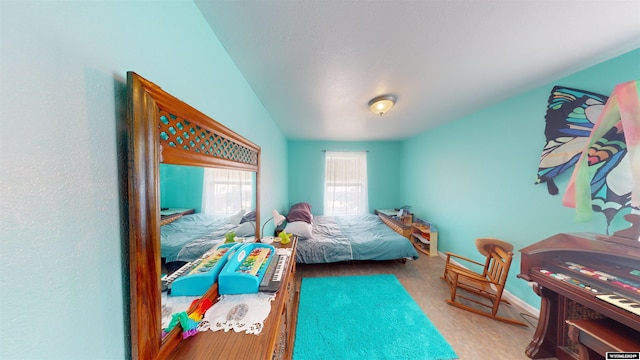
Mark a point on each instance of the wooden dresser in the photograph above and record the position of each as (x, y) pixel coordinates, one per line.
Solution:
(274, 342)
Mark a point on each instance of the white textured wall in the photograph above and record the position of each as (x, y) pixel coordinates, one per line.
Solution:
(64, 290)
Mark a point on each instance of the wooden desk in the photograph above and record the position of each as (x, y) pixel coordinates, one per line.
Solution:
(274, 342)
(401, 226)
(595, 337)
(170, 215)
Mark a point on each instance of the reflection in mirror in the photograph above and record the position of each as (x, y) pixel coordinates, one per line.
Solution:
(199, 206)
(209, 190)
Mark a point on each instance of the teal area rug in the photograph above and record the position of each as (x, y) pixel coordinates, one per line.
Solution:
(364, 317)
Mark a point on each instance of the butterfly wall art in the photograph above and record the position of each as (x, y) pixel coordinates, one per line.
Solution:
(586, 128)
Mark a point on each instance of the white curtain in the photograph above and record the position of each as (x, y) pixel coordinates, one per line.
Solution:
(226, 192)
(345, 185)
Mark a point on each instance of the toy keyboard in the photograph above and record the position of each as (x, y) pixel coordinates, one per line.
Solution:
(274, 274)
(200, 278)
(245, 269)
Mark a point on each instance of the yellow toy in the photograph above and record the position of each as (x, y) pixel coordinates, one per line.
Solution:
(284, 237)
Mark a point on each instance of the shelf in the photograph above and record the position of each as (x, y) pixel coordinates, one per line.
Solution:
(424, 237)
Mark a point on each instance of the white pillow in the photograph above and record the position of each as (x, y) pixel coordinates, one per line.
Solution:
(235, 219)
(246, 229)
(300, 228)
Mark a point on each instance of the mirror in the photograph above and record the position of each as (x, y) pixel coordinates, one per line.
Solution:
(163, 129)
(198, 207)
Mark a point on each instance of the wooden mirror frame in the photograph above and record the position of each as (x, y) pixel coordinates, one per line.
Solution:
(152, 112)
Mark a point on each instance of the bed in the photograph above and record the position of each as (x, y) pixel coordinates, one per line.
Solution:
(190, 236)
(353, 237)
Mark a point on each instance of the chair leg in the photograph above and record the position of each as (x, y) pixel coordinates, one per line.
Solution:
(496, 304)
(453, 286)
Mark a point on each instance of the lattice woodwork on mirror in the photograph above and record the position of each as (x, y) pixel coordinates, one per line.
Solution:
(179, 134)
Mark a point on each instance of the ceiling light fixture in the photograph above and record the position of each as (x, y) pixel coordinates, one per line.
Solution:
(381, 104)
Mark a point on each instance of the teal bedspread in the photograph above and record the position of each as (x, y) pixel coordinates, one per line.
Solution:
(353, 237)
(187, 238)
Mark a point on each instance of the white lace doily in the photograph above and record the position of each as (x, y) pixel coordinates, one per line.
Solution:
(245, 312)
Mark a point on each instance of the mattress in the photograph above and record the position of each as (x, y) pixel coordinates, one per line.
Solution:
(353, 237)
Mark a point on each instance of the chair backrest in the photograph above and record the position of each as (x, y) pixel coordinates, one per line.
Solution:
(499, 262)
(484, 245)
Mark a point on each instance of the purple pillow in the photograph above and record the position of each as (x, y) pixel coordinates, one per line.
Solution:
(300, 212)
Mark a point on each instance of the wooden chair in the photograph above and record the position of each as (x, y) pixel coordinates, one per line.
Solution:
(487, 285)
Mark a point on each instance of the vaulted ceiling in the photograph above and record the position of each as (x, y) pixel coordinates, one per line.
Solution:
(316, 64)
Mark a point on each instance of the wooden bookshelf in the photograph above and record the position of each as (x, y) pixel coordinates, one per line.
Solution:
(424, 236)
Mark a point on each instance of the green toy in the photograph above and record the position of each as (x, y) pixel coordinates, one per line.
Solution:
(230, 237)
(284, 237)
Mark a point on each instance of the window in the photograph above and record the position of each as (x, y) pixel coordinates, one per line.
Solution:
(226, 192)
(345, 184)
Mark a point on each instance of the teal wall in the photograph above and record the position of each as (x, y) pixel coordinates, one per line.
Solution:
(64, 219)
(306, 171)
(181, 186)
(474, 177)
